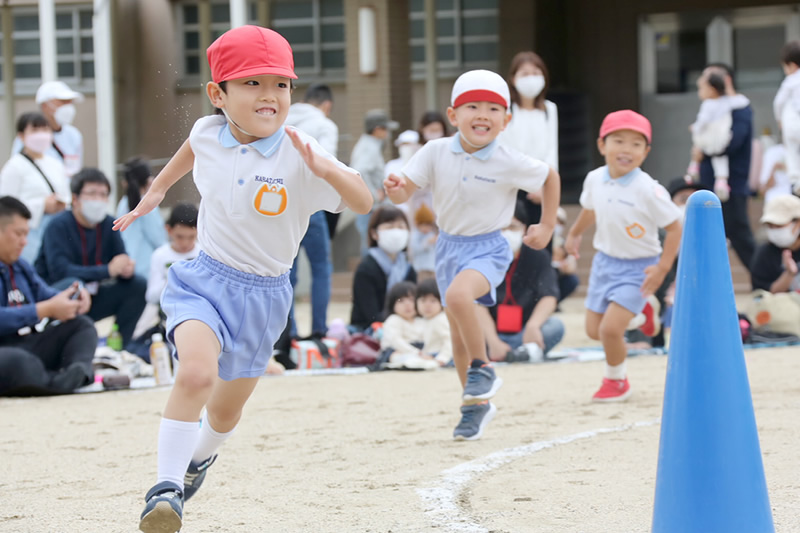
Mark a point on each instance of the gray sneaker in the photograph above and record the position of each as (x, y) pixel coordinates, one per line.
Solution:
(482, 383)
(474, 419)
(163, 512)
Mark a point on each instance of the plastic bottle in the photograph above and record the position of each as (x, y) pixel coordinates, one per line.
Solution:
(114, 340)
(159, 358)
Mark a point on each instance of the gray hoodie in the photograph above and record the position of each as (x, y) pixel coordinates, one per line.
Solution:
(311, 120)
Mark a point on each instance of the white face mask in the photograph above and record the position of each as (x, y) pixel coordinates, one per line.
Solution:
(529, 86)
(393, 240)
(782, 237)
(433, 135)
(94, 211)
(38, 141)
(514, 239)
(65, 114)
(407, 150)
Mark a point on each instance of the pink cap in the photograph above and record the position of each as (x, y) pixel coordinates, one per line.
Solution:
(480, 86)
(250, 51)
(626, 120)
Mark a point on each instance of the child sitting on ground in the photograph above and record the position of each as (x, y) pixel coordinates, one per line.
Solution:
(436, 341)
(403, 330)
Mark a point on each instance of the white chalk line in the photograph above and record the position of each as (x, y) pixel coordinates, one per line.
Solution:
(441, 501)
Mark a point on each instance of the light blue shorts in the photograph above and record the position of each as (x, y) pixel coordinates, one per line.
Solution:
(489, 254)
(247, 312)
(617, 280)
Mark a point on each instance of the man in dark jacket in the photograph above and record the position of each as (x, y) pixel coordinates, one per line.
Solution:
(734, 210)
(46, 345)
(79, 245)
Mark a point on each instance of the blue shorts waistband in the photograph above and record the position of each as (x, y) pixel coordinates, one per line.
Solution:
(639, 261)
(233, 276)
(470, 238)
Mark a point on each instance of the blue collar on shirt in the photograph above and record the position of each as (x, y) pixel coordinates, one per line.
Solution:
(625, 180)
(266, 146)
(483, 154)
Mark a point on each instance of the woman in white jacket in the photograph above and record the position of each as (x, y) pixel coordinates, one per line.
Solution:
(35, 178)
(533, 129)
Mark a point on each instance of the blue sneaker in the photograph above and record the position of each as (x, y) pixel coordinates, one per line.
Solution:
(482, 383)
(163, 512)
(194, 477)
(474, 419)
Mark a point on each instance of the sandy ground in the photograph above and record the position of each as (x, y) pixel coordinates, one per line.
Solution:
(373, 453)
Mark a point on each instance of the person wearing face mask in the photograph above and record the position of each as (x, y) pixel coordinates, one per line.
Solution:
(432, 126)
(35, 178)
(384, 265)
(520, 327)
(533, 129)
(57, 103)
(80, 245)
(774, 266)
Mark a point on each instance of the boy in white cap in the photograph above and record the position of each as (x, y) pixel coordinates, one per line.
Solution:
(628, 207)
(260, 182)
(475, 182)
(55, 98)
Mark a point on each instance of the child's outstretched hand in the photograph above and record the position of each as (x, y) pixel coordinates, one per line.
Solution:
(149, 201)
(317, 165)
(653, 278)
(572, 244)
(394, 183)
(538, 236)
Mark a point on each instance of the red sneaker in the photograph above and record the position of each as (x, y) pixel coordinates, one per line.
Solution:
(613, 390)
(652, 321)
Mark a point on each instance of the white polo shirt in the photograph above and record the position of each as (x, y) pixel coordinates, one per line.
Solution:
(476, 193)
(256, 198)
(628, 212)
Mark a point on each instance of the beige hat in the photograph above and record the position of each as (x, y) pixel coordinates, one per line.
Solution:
(781, 210)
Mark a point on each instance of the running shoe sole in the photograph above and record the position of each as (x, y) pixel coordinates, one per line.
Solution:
(162, 519)
(621, 398)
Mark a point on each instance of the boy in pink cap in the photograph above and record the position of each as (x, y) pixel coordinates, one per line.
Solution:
(474, 181)
(628, 207)
(260, 182)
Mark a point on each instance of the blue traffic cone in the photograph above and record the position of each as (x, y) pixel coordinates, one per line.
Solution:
(710, 475)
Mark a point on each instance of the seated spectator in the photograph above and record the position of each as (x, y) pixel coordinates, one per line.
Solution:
(384, 265)
(36, 178)
(146, 233)
(566, 265)
(79, 245)
(436, 340)
(403, 330)
(35, 358)
(182, 246)
(423, 243)
(520, 327)
(774, 267)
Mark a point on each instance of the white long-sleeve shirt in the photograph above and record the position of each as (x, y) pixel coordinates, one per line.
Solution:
(534, 132)
(20, 179)
(436, 338)
(399, 333)
(164, 257)
(788, 93)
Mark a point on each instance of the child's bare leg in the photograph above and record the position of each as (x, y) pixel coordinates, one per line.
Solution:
(198, 349)
(460, 356)
(593, 324)
(225, 405)
(467, 286)
(612, 333)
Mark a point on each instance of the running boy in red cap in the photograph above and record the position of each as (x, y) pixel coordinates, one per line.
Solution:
(475, 182)
(628, 207)
(260, 183)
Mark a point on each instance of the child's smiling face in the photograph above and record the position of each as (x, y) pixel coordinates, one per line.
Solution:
(258, 104)
(624, 151)
(479, 123)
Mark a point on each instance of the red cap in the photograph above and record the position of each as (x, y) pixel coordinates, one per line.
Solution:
(626, 120)
(250, 51)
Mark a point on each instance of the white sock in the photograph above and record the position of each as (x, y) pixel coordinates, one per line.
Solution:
(617, 372)
(209, 440)
(176, 441)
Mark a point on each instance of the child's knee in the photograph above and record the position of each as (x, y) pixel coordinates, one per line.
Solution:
(610, 330)
(457, 299)
(196, 377)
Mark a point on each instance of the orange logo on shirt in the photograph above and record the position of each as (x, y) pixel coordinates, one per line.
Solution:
(271, 200)
(635, 231)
